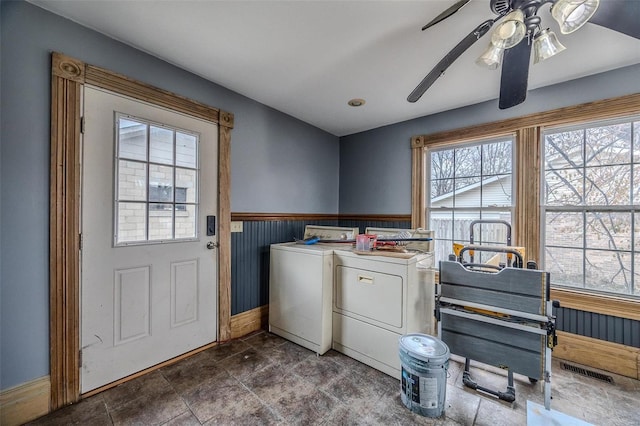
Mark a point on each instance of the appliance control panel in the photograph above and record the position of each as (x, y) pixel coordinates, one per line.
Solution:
(330, 232)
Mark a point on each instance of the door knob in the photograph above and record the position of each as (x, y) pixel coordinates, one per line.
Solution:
(211, 245)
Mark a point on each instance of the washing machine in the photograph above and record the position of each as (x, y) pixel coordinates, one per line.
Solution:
(301, 287)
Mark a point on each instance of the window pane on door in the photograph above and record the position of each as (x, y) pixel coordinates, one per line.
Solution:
(160, 145)
(156, 181)
(132, 222)
(132, 181)
(186, 182)
(160, 183)
(185, 221)
(186, 150)
(132, 140)
(160, 221)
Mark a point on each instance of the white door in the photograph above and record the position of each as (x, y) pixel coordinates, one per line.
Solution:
(149, 268)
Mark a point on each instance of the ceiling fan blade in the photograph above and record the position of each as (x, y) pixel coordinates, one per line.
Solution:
(441, 66)
(444, 15)
(619, 15)
(515, 74)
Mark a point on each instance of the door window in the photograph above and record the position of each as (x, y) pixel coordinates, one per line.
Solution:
(156, 180)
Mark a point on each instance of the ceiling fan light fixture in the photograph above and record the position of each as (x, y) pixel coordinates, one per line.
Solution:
(491, 58)
(510, 31)
(546, 45)
(573, 14)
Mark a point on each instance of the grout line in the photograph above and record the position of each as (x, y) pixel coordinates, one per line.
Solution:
(190, 410)
(475, 417)
(269, 407)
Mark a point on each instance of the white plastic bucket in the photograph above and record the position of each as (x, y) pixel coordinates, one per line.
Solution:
(425, 361)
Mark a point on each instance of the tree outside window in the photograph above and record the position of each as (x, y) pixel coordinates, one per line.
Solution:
(470, 182)
(591, 206)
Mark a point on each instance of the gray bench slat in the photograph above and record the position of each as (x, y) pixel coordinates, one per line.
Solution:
(516, 289)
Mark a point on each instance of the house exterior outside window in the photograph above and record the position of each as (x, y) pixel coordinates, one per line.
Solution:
(468, 182)
(156, 197)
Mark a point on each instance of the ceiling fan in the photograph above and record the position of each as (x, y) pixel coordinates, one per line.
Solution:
(519, 31)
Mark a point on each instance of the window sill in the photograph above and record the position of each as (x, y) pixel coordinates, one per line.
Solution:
(600, 304)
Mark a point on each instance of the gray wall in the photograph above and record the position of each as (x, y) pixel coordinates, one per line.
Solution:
(279, 164)
(375, 166)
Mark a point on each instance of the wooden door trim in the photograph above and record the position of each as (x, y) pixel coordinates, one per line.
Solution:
(68, 75)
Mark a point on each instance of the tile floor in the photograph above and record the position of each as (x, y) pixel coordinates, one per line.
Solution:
(264, 379)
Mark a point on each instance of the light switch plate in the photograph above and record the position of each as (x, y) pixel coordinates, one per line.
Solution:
(236, 226)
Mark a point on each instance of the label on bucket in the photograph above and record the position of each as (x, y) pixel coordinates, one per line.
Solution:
(423, 390)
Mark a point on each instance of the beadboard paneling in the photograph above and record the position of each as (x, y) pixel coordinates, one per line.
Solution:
(598, 326)
(250, 269)
(250, 248)
(250, 257)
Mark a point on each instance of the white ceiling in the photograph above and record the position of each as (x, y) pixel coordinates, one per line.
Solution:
(308, 58)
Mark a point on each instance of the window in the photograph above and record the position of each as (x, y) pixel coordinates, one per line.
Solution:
(591, 198)
(156, 181)
(470, 182)
(535, 204)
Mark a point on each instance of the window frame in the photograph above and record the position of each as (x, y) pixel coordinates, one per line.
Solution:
(586, 209)
(527, 221)
(460, 144)
(149, 210)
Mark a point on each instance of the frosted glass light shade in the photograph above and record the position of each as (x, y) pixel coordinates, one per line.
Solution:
(546, 45)
(491, 58)
(510, 31)
(573, 14)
